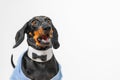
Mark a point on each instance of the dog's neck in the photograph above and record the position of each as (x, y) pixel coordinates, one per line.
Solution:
(47, 52)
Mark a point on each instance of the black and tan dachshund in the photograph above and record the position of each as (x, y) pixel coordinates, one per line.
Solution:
(38, 62)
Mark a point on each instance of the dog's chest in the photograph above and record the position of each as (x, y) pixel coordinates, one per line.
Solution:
(33, 69)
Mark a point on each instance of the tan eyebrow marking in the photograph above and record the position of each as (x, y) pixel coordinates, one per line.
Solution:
(30, 33)
(33, 23)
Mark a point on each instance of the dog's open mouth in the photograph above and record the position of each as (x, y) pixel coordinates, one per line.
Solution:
(44, 39)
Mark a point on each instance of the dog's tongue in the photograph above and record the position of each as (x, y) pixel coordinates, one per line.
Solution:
(44, 37)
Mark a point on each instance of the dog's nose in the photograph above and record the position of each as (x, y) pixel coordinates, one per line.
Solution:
(47, 28)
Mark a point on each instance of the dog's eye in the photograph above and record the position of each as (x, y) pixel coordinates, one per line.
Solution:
(48, 20)
(36, 23)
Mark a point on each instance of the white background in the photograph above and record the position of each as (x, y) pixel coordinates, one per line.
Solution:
(89, 34)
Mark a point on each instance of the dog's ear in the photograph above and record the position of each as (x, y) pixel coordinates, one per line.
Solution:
(20, 35)
(55, 41)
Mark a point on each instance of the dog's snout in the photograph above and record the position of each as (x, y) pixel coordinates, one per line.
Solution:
(46, 26)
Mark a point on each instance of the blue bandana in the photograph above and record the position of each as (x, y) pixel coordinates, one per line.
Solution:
(19, 75)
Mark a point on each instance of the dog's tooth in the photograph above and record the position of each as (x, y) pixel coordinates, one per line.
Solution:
(45, 41)
(39, 39)
(48, 40)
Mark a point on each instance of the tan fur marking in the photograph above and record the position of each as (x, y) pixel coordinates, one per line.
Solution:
(37, 34)
(33, 23)
(51, 33)
(30, 34)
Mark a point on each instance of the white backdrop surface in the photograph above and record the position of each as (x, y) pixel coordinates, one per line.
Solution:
(89, 34)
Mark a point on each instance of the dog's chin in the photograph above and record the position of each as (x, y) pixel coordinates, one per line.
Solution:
(44, 45)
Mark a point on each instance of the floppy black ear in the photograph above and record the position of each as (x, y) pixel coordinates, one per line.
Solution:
(20, 36)
(55, 42)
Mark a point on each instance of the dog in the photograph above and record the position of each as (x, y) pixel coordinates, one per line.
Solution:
(38, 61)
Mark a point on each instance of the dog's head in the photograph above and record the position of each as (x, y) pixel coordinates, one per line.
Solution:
(41, 33)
